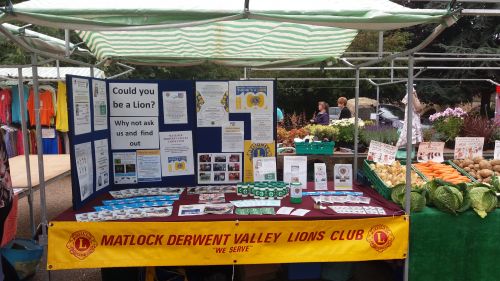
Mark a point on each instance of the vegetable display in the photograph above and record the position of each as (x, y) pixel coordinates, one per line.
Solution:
(417, 199)
(445, 172)
(395, 174)
(448, 199)
(483, 200)
(479, 168)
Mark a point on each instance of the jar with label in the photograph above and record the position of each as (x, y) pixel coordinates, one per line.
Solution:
(295, 193)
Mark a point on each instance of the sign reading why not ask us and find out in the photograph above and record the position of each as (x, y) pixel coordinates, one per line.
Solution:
(134, 115)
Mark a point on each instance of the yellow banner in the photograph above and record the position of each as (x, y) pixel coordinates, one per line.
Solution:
(121, 244)
(255, 150)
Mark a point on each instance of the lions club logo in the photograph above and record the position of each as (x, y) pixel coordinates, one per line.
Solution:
(258, 150)
(81, 244)
(380, 237)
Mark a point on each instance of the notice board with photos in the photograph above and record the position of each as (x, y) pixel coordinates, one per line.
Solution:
(157, 133)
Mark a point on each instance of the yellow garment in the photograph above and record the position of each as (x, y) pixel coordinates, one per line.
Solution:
(62, 108)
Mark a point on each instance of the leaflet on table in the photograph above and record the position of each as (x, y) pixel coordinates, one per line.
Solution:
(320, 178)
(295, 170)
(212, 109)
(341, 199)
(81, 106)
(141, 199)
(125, 214)
(100, 105)
(134, 205)
(151, 191)
(430, 151)
(124, 168)
(496, 154)
(133, 99)
(262, 127)
(255, 211)
(212, 198)
(256, 203)
(233, 136)
(342, 177)
(134, 133)
(468, 148)
(175, 107)
(264, 169)
(211, 189)
(219, 168)
(336, 193)
(101, 163)
(358, 210)
(251, 96)
(85, 169)
(177, 153)
(202, 209)
(148, 165)
(299, 212)
(379, 152)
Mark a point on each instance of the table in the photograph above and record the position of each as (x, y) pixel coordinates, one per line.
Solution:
(55, 167)
(319, 236)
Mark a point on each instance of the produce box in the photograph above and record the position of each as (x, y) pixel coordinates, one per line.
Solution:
(481, 170)
(319, 148)
(462, 171)
(446, 171)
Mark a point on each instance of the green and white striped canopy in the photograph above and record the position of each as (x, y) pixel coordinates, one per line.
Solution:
(232, 32)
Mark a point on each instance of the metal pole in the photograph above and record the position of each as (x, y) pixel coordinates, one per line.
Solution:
(26, 148)
(378, 103)
(39, 145)
(245, 73)
(92, 71)
(392, 70)
(58, 70)
(356, 131)
(409, 137)
(380, 44)
(67, 52)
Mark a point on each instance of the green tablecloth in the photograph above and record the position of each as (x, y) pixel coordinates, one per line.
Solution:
(454, 248)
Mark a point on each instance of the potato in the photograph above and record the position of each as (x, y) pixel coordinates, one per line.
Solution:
(477, 160)
(486, 173)
(495, 162)
(476, 166)
(484, 165)
(487, 180)
(468, 162)
(496, 168)
(467, 169)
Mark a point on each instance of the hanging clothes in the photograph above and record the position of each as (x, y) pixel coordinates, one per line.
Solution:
(16, 104)
(62, 108)
(50, 141)
(46, 108)
(5, 106)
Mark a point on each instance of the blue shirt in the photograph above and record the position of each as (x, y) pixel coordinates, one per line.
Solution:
(279, 114)
(16, 105)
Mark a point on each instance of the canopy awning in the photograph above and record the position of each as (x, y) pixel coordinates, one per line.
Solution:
(263, 33)
(51, 72)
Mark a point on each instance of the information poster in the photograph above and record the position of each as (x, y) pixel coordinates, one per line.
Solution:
(101, 163)
(497, 150)
(148, 165)
(250, 96)
(253, 150)
(212, 108)
(177, 153)
(379, 152)
(134, 133)
(219, 168)
(342, 177)
(175, 107)
(81, 106)
(264, 169)
(85, 169)
(133, 99)
(430, 151)
(124, 168)
(295, 170)
(320, 177)
(100, 105)
(262, 127)
(468, 148)
(233, 136)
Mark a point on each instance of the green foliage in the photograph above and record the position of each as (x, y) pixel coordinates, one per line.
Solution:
(448, 128)
(385, 134)
(323, 132)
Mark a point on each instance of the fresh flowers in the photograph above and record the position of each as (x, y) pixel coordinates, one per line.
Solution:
(346, 122)
(449, 112)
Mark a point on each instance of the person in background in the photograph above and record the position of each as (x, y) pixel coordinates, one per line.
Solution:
(345, 113)
(279, 116)
(323, 117)
(416, 124)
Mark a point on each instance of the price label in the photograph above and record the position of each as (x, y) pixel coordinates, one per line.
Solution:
(430, 151)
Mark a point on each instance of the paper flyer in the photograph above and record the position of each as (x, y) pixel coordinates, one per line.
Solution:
(496, 154)
(100, 101)
(468, 148)
(148, 165)
(85, 169)
(262, 127)
(175, 107)
(264, 169)
(81, 106)
(101, 163)
(430, 151)
(233, 136)
(176, 153)
(295, 170)
(320, 177)
(379, 152)
(219, 168)
(251, 96)
(124, 168)
(134, 133)
(133, 99)
(255, 150)
(342, 177)
(212, 104)
(48, 133)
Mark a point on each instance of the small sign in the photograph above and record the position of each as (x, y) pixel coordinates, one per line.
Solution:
(264, 169)
(468, 148)
(373, 116)
(320, 178)
(342, 176)
(430, 151)
(379, 152)
(496, 155)
(48, 133)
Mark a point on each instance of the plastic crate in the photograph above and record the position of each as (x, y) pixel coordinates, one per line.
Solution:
(321, 148)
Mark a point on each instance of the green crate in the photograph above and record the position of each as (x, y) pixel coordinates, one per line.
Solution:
(321, 148)
(461, 171)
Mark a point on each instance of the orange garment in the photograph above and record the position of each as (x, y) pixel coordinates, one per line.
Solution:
(46, 108)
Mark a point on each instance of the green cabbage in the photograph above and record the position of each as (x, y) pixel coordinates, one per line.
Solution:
(417, 201)
(429, 187)
(483, 200)
(447, 199)
(495, 183)
(398, 193)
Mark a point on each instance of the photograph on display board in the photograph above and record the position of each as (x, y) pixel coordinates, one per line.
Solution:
(219, 168)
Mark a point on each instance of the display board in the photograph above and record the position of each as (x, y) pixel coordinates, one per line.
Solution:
(146, 133)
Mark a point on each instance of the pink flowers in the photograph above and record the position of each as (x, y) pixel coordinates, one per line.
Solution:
(449, 112)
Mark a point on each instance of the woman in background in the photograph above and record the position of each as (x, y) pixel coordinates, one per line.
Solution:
(323, 117)
(416, 125)
(345, 113)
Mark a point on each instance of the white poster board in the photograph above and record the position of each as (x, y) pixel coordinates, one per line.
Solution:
(134, 133)
(379, 152)
(295, 170)
(133, 99)
(320, 177)
(233, 136)
(81, 106)
(430, 151)
(342, 176)
(264, 169)
(262, 127)
(148, 165)
(175, 107)
(496, 154)
(177, 153)
(101, 163)
(468, 147)
(84, 169)
(212, 104)
(100, 100)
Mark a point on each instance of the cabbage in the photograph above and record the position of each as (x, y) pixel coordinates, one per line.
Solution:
(429, 187)
(483, 200)
(495, 183)
(417, 201)
(398, 193)
(447, 199)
